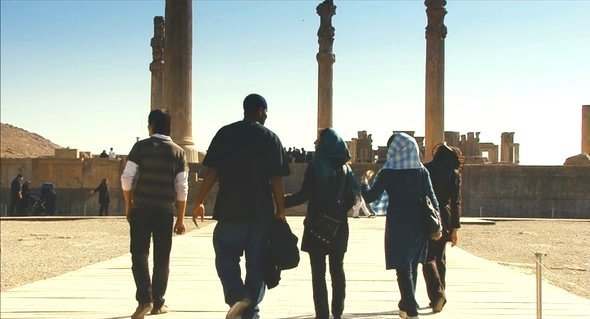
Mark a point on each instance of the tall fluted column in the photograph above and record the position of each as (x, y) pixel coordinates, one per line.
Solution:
(326, 58)
(178, 53)
(436, 32)
(157, 65)
(586, 129)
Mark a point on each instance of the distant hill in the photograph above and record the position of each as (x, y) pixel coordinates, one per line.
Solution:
(18, 143)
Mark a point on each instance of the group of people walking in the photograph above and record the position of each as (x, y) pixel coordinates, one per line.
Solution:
(248, 162)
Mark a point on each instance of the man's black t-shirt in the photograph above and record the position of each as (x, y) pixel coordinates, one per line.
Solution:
(246, 155)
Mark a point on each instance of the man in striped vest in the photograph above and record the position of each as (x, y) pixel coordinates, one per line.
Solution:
(155, 185)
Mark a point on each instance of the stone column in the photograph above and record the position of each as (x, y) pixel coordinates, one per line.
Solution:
(326, 59)
(157, 65)
(178, 67)
(436, 32)
(507, 147)
(586, 129)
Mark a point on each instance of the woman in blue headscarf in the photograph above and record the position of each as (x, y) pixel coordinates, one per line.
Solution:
(406, 181)
(325, 175)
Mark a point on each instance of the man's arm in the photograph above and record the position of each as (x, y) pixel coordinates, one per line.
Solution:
(126, 184)
(278, 192)
(180, 209)
(128, 204)
(181, 188)
(209, 180)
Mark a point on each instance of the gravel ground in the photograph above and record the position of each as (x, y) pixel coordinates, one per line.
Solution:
(566, 244)
(34, 250)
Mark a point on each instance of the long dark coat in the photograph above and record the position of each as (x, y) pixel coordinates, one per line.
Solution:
(446, 183)
(405, 237)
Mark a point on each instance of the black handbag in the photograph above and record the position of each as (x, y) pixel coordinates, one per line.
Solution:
(431, 216)
(327, 225)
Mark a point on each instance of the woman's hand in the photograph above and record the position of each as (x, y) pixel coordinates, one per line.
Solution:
(367, 176)
(437, 236)
(454, 237)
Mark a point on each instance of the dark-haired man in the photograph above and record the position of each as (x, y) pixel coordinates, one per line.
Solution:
(249, 161)
(160, 189)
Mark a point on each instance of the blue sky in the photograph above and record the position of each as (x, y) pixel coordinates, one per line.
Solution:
(77, 72)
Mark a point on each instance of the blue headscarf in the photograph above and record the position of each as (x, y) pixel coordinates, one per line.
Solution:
(403, 153)
(332, 152)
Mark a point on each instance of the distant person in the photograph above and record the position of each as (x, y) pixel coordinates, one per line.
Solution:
(359, 206)
(104, 154)
(112, 154)
(16, 195)
(249, 162)
(150, 202)
(104, 197)
(26, 197)
(49, 197)
(327, 177)
(406, 181)
(446, 181)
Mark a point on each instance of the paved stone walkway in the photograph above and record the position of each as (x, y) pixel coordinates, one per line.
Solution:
(477, 288)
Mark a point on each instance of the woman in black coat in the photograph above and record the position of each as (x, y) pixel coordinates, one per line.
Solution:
(324, 177)
(104, 197)
(446, 181)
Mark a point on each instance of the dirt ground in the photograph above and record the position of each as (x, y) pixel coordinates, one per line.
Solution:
(515, 242)
(34, 250)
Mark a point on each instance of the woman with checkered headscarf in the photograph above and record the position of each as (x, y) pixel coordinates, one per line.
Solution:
(406, 181)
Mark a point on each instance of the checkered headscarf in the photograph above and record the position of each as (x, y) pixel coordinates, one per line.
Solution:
(403, 153)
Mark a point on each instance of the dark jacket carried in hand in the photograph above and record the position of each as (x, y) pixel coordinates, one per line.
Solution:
(283, 252)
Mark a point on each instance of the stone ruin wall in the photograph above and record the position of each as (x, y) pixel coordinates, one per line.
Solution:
(488, 190)
(474, 151)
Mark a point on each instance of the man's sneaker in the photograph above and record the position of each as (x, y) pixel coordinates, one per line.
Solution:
(439, 304)
(159, 311)
(235, 312)
(142, 310)
(403, 314)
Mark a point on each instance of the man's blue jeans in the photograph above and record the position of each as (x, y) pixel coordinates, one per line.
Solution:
(230, 241)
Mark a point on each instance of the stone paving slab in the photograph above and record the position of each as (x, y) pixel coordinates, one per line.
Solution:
(477, 288)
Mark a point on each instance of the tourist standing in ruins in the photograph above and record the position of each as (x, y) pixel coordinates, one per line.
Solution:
(16, 195)
(249, 161)
(406, 181)
(327, 177)
(26, 197)
(112, 154)
(150, 203)
(104, 197)
(446, 181)
(359, 206)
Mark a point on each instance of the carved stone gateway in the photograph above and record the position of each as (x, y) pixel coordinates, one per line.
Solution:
(326, 58)
(157, 65)
(436, 32)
